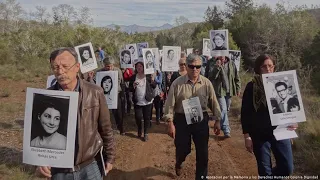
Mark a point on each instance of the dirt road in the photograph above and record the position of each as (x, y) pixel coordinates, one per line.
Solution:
(155, 159)
(135, 159)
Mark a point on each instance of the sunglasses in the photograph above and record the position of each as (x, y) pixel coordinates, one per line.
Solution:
(192, 66)
(182, 64)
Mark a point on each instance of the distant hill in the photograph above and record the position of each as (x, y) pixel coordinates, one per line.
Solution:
(139, 29)
(315, 13)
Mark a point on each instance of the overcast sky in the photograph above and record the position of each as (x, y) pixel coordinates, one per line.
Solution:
(144, 12)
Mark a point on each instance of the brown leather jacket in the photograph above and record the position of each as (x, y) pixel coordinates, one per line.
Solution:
(94, 125)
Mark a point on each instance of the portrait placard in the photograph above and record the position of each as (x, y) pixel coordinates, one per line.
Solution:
(148, 61)
(50, 124)
(235, 56)
(192, 110)
(108, 80)
(140, 47)
(156, 55)
(134, 51)
(51, 80)
(206, 47)
(125, 59)
(219, 42)
(170, 59)
(86, 57)
(283, 97)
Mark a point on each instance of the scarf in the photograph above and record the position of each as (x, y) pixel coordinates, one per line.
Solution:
(259, 97)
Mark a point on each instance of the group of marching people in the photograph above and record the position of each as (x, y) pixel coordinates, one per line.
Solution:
(214, 81)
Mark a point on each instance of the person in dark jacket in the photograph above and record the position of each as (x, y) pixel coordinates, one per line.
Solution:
(142, 87)
(257, 128)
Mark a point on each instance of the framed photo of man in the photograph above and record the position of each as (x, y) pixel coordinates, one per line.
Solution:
(108, 81)
(170, 59)
(192, 110)
(125, 59)
(86, 57)
(50, 128)
(51, 80)
(148, 61)
(235, 56)
(283, 97)
(133, 50)
(140, 47)
(219, 42)
(206, 47)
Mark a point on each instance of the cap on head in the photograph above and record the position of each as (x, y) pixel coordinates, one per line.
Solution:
(108, 60)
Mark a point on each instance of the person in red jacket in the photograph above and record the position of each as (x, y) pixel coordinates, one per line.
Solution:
(127, 74)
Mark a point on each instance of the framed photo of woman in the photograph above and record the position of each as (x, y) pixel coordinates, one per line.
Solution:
(86, 57)
(50, 127)
(108, 81)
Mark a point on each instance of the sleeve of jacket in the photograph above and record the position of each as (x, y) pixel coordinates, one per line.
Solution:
(236, 78)
(131, 81)
(158, 79)
(247, 108)
(105, 129)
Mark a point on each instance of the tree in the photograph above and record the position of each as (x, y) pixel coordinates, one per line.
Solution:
(237, 6)
(63, 13)
(84, 16)
(10, 13)
(214, 16)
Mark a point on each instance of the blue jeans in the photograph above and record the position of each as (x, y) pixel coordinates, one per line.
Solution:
(89, 172)
(224, 102)
(262, 147)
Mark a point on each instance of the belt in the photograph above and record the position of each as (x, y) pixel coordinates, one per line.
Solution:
(75, 168)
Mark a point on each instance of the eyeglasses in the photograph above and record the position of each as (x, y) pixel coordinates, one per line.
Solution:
(182, 64)
(65, 69)
(267, 66)
(194, 66)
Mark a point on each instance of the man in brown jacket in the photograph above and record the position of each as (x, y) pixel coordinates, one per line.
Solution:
(94, 129)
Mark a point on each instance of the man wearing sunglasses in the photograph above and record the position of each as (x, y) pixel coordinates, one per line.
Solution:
(185, 87)
(226, 81)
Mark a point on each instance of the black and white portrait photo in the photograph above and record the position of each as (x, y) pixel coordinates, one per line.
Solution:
(235, 56)
(148, 59)
(194, 115)
(133, 50)
(49, 122)
(140, 47)
(193, 110)
(156, 58)
(171, 56)
(219, 42)
(50, 126)
(86, 57)
(125, 59)
(283, 97)
(108, 81)
(51, 81)
(206, 47)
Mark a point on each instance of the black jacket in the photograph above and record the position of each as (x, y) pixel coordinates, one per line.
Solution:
(149, 88)
(256, 123)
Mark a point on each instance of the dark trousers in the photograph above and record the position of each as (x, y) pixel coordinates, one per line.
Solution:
(118, 113)
(128, 101)
(200, 135)
(262, 147)
(158, 105)
(142, 112)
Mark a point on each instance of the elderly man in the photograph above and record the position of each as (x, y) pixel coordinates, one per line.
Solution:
(185, 87)
(117, 113)
(93, 125)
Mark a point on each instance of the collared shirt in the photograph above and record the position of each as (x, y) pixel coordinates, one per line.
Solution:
(76, 89)
(182, 88)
